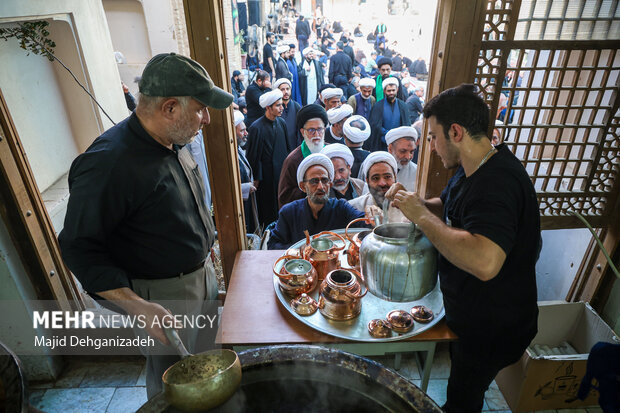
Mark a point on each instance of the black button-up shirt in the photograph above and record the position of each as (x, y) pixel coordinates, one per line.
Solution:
(136, 210)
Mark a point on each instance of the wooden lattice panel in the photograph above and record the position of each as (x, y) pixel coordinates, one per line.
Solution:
(560, 105)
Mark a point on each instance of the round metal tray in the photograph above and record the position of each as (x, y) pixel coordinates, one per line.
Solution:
(372, 307)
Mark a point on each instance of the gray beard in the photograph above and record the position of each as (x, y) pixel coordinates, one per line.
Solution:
(377, 195)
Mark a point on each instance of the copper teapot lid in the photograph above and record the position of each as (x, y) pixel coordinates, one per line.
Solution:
(298, 266)
(401, 321)
(304, 304)
(379, 328)
(422, 314)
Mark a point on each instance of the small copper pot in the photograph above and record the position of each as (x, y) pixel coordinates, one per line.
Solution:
(355, 241)
(341, 294)
(322, 252)
(297, 276)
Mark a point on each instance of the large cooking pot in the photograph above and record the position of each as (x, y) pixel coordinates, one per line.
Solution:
(398, 262)
(315, 379)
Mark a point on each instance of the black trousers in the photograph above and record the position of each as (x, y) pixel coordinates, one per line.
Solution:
(473, 370)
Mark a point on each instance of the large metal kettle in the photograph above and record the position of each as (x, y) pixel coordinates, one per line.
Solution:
(398, 262)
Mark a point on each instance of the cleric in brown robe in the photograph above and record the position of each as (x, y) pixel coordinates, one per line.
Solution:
(311, 122)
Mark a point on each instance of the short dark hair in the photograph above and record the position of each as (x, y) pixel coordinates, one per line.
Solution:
(262, 75)
(461, 105)
(268, 35)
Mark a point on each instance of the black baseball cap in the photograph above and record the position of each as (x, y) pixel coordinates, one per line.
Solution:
(171, 74)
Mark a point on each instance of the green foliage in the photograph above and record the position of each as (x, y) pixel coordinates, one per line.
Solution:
(32, 37)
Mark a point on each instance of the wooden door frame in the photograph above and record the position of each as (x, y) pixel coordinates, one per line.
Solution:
(28, 222)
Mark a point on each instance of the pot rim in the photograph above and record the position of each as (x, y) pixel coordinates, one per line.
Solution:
(404, 225)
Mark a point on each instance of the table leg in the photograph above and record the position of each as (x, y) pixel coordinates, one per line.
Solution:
(427, 365)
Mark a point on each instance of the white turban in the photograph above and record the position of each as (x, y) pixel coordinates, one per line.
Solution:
(366, 82)
(335, 115)
(238, 117)
(338, 150)
(401, 132)
(331, 92)
(278, 82)
(307, 50)
(390, 81)
(269, 98)
(377, 157)
(282, 48)
(353, 133)
(315, 159)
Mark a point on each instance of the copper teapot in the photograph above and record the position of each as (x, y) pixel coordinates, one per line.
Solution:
(297, 276)
(322, 252)
(340, 294)
(355, 241)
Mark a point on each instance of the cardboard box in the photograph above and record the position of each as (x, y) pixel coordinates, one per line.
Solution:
(551, 382)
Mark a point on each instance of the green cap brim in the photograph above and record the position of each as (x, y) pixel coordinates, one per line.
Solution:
(216, 98)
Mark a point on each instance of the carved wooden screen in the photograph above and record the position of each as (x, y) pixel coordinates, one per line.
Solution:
(550, 70)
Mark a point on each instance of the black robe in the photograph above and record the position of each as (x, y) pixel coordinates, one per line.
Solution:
(303, 81)
(252, 96)
(330, 138)
(266, 151)
(375, 143)
(359, 156)
(282, 70)
(289, 114)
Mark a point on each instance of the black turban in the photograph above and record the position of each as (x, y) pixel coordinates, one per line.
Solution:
(310, 112)
(384, 61)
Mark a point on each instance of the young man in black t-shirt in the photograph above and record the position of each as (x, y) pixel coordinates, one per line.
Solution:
(269, 62)
(486, 227)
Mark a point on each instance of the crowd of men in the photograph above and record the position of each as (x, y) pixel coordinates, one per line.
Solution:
(321, 99)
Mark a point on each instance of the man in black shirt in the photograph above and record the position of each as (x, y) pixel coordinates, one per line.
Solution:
(269, 62)
(340, 67)
(261, 85)
(488, 238)
(137, 227)
(303, 32)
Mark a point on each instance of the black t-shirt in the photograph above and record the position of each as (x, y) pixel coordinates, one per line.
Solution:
(499, 202)
(267, 53)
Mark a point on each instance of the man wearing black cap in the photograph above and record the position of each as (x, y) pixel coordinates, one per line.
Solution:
(340, 67)
(385, 70)
(137, 227)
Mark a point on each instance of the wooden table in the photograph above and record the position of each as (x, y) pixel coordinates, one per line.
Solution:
(253, 317)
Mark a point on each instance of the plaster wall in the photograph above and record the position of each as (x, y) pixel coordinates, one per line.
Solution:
(94, 45)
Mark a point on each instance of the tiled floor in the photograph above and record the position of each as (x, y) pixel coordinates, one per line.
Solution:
(93, 386)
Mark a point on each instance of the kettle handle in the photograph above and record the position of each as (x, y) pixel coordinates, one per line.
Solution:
(344, 242)
(361, 277)
(286, 275)
(346, 230)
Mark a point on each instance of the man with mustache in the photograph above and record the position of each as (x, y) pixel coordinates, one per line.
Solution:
(386, 114)
(344, 186)
(379, 172)
(316, 212)
(363, 101)
(385, 71)
(402, 144)
(266, 151)
(331, 97)
(137, 229)
(311, 122)
(311, 76)
(337, 117)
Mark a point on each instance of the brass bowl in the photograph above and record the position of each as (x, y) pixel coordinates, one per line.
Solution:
(203, 381)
